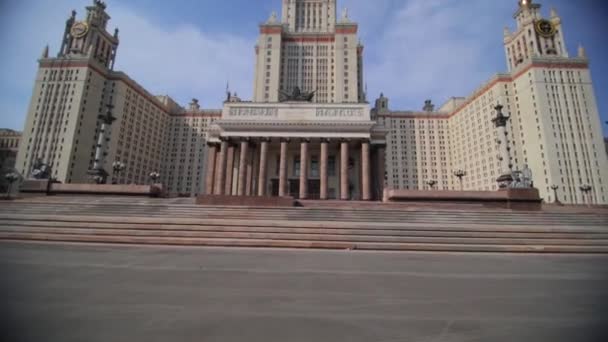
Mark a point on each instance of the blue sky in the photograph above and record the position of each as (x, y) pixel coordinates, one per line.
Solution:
(414, 49)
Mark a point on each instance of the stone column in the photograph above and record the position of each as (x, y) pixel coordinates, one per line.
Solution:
(304, 168)
(242, 168)
(324, 156)
(229, 169)
(263, 164)
(365, 172)
(211, 152)
(382, 181)
(283, 168)
(220, 181)
(344, 170)
(249, 168)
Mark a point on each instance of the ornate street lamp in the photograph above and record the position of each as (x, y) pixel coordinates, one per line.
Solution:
(432, 184)
(585, 189)
(11, 178)
(460, 174)
(117, 168)
(555, 188)
(98, 173)
(500, 122)
(154, 176)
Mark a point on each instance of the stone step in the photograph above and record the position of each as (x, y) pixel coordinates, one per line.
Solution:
(412, 231)
(309, 224)
(135, 204)
(141, 240)
(574, 219)
(301, 237)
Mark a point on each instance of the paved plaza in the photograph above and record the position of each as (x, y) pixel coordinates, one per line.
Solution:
(59, 292)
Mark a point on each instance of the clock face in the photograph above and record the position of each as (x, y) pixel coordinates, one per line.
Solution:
(79, 29)
(545, 28)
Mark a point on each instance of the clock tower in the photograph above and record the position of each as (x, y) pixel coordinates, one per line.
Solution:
(535, 35)
(90, 37)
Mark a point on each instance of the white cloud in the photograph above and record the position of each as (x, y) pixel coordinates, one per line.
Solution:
(430, 49)
(183, 62)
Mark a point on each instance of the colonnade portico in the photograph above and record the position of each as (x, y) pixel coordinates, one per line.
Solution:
(300, 149)
(305, 168)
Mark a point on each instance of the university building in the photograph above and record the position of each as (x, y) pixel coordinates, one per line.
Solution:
(334, 146)
(9, 145)
(554, 128)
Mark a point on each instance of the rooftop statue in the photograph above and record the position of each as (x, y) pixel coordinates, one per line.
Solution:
(297, 95)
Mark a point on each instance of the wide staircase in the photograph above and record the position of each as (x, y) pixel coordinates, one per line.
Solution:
(121, 220)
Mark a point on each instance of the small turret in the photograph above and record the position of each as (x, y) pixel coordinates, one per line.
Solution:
(582, 53)
(45, 52)
(381, 103)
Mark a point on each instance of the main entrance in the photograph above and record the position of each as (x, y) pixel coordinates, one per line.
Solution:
(293, 188)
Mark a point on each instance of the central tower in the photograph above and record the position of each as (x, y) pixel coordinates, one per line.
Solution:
(311, 50)
(310, 15)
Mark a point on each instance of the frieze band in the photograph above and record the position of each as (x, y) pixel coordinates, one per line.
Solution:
(339, 112)
(254, 111)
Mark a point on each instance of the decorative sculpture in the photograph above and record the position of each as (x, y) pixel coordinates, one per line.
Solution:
(526, 174)
(40, 170)
(297, 95)
(522, 179)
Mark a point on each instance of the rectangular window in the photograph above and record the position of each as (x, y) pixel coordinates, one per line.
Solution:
(296, 166)
(331, 166)
(314, 167)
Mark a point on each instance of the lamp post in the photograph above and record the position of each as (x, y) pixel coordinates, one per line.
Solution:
(99, 174)
(555, 188)
(432, 184)
(500, 122)
(460, 174)
(585, 189)
(154, 177)
(117, 168)
(10, 178)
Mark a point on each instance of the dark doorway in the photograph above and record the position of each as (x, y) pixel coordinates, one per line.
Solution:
(314, 186)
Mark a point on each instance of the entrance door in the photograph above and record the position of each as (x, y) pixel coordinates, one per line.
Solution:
(274, 187)
(314, 188)
(294, 188)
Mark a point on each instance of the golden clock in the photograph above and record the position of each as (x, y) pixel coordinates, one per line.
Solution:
(545, 28)
(79, 29)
